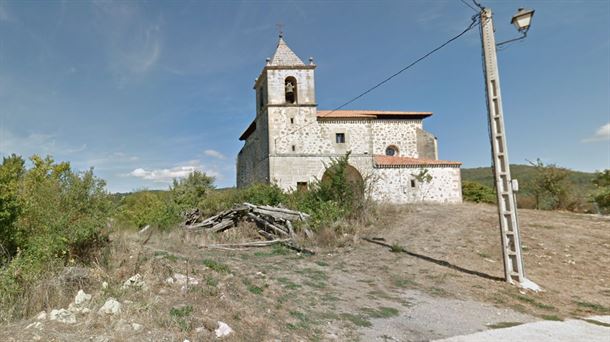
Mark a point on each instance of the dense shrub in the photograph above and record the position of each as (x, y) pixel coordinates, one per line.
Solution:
(49, 215)
(601, 195)
(188, 192)
(264, 194)
(11, 172)
(335, 197)
(154, 208)
(478, 193)
(550, 186)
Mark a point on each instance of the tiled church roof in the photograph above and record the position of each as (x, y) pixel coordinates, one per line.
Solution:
(284, 56)
(391, 161)
(373, 114)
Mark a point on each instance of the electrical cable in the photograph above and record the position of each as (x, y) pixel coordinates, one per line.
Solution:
(475, 20)
(467, 4)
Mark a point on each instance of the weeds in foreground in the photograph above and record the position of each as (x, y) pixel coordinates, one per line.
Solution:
(592, 307)
(396, 248)
(180, 316)
(381, 312)
(533, 302)
(216, 266)
(357, 320)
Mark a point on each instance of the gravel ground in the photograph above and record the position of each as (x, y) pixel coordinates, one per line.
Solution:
(436, 317)
(544, 331)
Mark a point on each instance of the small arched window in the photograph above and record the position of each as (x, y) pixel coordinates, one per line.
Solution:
(290, 89)
(391, 151)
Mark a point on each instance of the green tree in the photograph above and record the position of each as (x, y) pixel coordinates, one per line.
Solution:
(477, 192)
(11, 172)
(149, 208)
(550, 186)
(188, 192)
(601, 195)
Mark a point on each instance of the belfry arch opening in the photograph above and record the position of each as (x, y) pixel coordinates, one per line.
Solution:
(290, 90)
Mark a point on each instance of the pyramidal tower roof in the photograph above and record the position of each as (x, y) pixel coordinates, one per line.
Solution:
(284, 56)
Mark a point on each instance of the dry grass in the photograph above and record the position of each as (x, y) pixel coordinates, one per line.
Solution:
(274, 293)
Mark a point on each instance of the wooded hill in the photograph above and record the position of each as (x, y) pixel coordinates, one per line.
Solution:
(525, 174)
(540, 187)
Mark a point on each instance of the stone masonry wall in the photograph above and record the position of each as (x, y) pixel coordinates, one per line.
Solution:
(400, 133)
(394, 185)
(287, 171)
(305, 85)
(253, 159)
(426, 145)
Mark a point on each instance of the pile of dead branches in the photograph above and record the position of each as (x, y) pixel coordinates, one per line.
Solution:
(273, 223)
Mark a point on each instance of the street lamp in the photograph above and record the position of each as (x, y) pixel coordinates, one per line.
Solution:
(522, 19)
(505, 186)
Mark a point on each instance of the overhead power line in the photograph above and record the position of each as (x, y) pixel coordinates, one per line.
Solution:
(469, 5)
(475, 20)
(470, 27)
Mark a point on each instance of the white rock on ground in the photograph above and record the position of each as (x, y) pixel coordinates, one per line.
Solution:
(35, 325)
(181, 279)
(135, 282)
(104, 285)
(63, 316)
(122, 326)
(136, 326)
(223, 329)
(81, 298)
(111, 307)
(41, 316)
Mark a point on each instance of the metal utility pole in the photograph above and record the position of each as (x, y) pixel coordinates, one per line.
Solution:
(507, 207)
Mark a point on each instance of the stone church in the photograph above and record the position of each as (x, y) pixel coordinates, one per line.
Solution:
(290, 141)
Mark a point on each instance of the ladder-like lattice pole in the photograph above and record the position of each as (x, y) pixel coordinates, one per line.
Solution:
(507, 210)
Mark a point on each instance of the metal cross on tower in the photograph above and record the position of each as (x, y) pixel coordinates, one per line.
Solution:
(280, 29)
(507, 206)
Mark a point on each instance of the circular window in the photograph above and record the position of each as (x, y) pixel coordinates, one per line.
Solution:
(391, 151)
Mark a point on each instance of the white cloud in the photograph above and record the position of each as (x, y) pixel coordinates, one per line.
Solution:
(602, 134)
(167, 175)
(214, 154)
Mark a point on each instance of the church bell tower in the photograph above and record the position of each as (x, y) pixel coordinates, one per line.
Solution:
(285, 96)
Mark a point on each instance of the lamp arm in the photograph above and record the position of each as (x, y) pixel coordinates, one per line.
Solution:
(513, 40)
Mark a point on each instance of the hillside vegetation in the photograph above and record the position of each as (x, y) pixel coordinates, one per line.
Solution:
(541, 186)
(525, 174)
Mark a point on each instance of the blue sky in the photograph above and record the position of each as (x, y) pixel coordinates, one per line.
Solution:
(145, 91)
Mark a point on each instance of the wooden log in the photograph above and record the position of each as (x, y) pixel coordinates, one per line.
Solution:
(247, 244)
(267, 224)
(276, 215)
(278, 212)
(290, 230)
(222, 226)
(265, 234)
(294, 246)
